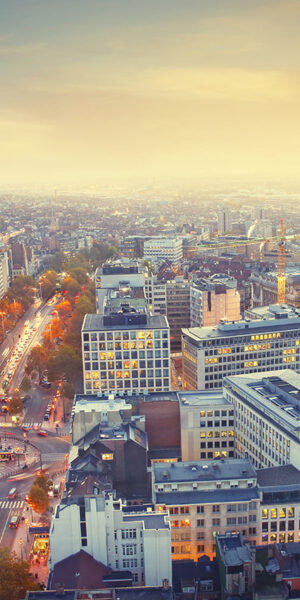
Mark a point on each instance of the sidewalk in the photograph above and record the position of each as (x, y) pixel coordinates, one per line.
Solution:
(22, 548)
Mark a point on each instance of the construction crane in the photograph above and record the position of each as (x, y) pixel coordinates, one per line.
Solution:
(279, 239)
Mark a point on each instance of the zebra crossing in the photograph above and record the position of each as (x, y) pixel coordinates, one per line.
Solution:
(33, 425)
(15, 504)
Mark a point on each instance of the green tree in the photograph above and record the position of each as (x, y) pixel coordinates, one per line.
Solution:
(48, 283)
(25, 384)
(79, 274)
(38, 498)
(65, 362)
(16, 404)
(22, 290)
(15, 577)
(37, 360)
(44, 482)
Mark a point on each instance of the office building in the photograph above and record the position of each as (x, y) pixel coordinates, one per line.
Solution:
(206, 498)
(267, 416)
(224, 221)
(280, 505)
(156, 295)
(163, 249)
(211, 353)
(126, 348)
(206, 426)
(119, 537)
(4, 273)
(213, 299)
(178, 309)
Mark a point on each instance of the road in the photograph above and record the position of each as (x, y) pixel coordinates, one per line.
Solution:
(53, 455)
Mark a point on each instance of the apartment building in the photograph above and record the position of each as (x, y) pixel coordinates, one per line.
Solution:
(126, 348)
(160, 248)
(206, 498)
(211, 353)
(206, 426)
(213, 299)
(115, 535)
(267, 417)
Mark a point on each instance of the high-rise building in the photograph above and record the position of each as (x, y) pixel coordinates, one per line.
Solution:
(160, 248)
(213, 299)
(211, 353)
(4, 273)
(126, 348)
(178, 309)
(224, 221)
(119, 275)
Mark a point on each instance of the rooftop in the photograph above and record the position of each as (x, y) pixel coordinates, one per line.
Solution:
(233, 550)
(209, 497)
(205, 398)
(277, 394)
(151, 521)
(278, 476)
(96, 323)
(280, 318)
(236, 468)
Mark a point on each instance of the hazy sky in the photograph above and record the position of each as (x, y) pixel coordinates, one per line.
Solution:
(92, 90)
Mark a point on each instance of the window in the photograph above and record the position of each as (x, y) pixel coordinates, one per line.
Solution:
(128, 534)
(129, 549)
(216, 508)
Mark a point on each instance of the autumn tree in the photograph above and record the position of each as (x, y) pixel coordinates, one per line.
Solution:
(64, 308)
(53, 332)
(22, 290)
(16, 404)
(48, 283)
(15, 576)
(37, 360)
(44, 482)
(79, 274)
(38, 498)
(71, 286)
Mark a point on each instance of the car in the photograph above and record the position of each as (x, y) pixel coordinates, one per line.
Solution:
(43, 432)
(46, 417)
(46, 384)
(14, 521)
(12, 493)
(25, 428)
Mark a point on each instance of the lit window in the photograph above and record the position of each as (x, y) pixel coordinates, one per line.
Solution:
(107, 456)
(264, 513)
(273, 512)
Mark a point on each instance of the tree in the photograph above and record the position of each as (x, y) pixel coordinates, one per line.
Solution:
(37, 360)
(44, 482)
(79, 274)
(64, 308)
(38, 498)
(53, 332)
(71, 286)
(48, 283)
(25, 384)
(65, 362)
(16, 404)
(15, 577)
(22, 290)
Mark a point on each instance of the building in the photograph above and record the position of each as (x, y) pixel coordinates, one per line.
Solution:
(123, 274)
(178, 309)
(236, 562)
(206, 426)
(224, 221)
(126, 348)
(213, 299)
(163, 248)
(280, 505)
(267, 416)
(156, 295)
(211, 353)
(206, 498)
(4, 273)
(133, 539)
(19, 259)
(264, 287)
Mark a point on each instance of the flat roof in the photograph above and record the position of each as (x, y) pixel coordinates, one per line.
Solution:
(151, 521)
(199, 398)
(278, 476)
(208, 470)
(213, 496)
(95, 323)
(274, 393)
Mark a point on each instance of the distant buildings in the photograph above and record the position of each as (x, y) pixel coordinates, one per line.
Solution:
(224, 221)
(178, 309)
(213, 299)
(264, 287)
(163, 248)
(211, 353)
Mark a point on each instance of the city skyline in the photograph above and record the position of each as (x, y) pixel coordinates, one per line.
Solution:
(135, 91)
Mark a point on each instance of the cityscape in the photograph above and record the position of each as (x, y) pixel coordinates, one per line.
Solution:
(149, 300)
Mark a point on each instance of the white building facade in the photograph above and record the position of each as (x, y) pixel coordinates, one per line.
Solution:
(120, 539)
(4, 273)
(163, 248)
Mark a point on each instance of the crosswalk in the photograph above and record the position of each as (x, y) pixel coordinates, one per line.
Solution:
(33, 425)
(15, 504)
